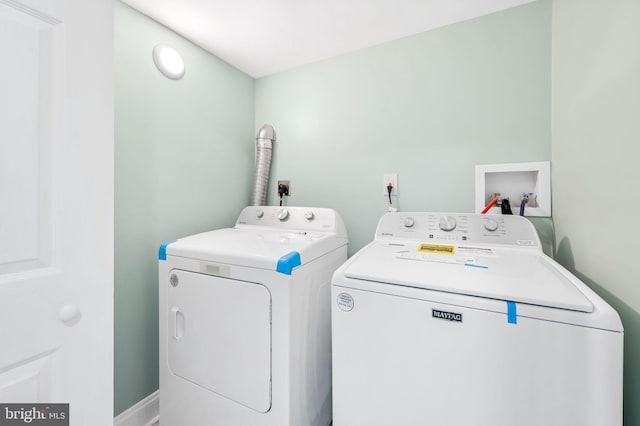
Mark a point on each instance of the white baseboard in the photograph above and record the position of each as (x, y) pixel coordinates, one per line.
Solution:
(144, 413)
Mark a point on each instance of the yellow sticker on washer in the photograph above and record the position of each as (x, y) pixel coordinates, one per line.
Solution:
(437, 248)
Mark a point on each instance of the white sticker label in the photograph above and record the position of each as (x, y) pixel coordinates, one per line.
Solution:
(345, 302)
(217, 270)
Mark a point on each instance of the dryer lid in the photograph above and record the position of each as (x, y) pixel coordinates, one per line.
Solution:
(255, 246)
(522, 276)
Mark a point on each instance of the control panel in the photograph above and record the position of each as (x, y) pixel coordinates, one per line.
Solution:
(293, 218)
(458, 228)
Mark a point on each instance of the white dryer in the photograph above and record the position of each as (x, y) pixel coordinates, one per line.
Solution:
(245, 320)
(461, 320)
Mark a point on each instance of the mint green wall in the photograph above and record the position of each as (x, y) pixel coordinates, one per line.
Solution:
(596, 130)
(184, 163)
(428, 107)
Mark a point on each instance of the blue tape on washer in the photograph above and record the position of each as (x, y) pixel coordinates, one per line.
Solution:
(473, 265)
(511, 313)
(287, 262)
(162, 251)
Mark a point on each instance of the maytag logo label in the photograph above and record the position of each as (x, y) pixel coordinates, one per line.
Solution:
(449, 316)
(34, 414)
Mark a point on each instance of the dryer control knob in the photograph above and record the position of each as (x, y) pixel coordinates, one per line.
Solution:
(309, 216)
(490, 225)
(447, 223)
(259, 213)
(409, 222)
(283, 214)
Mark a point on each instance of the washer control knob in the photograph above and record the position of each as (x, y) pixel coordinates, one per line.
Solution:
(309, 215)
(490, 225)
(409, 222)
(283, 214)
(447, 223)
(259, 213)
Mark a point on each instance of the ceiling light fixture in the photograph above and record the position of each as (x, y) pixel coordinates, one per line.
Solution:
(168, 61)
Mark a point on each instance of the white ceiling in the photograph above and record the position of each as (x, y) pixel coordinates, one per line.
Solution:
(262, 37)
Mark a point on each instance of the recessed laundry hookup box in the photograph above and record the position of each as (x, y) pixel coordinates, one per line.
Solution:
(512, 181)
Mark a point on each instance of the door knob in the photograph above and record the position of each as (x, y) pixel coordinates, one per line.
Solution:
(70, 315)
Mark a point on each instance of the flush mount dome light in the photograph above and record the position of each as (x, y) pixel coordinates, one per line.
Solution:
(168, 61)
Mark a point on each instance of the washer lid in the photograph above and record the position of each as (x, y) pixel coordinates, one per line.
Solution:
(522, 276)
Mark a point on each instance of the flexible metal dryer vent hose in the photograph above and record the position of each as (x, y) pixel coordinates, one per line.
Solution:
(264, 148)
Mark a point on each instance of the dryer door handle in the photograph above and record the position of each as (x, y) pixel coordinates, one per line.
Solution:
(177, 323)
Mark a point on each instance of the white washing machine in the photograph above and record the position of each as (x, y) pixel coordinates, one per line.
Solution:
(245, 320)
(461, 320)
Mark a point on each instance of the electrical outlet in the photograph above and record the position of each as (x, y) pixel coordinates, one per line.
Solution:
(287, 184)
(390, 178)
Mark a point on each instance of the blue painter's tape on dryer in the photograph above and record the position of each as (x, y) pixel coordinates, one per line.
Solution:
(287, 262)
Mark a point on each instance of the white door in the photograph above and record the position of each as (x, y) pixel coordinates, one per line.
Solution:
(56, 206)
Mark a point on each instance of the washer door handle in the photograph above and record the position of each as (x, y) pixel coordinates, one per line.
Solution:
(177, 323)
